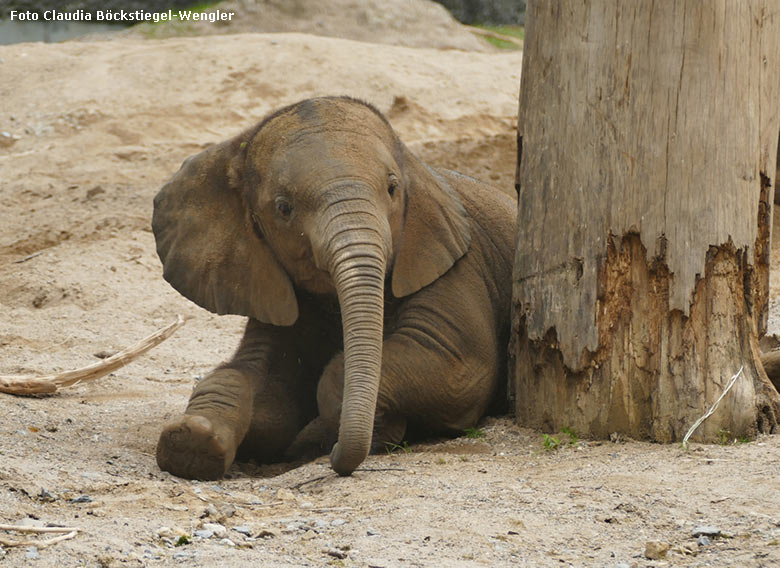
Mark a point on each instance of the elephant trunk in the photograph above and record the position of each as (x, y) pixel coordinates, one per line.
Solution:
(356, 259)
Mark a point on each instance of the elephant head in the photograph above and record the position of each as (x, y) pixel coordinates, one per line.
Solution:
(321, 196)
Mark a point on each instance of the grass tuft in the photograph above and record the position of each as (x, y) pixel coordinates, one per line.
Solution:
(573, 438)
(474, 433)
(550, 443)
(403, 447)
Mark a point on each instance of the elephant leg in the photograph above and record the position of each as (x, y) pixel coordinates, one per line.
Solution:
(435, 374)
(440, 384)
(318, 437)
(441, 377)
(202, 443)
(254, 405)
(314, 440)
(284, 403)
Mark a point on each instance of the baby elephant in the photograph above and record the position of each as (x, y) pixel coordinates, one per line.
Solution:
(377, 290)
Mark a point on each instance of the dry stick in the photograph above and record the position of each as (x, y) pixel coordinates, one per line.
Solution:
(312, 480)
(263, 505)
(329, 509)
(24, 528)
(38, 543)
(712, 409)
(27, 385)
(29, 257)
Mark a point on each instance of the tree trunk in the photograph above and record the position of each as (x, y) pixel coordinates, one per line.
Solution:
(648, 142)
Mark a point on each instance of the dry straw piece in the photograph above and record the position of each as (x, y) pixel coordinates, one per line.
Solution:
(71, 532)
(712, 409)
(28, 385)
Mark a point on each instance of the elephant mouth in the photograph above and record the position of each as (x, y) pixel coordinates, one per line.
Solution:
(314, 280)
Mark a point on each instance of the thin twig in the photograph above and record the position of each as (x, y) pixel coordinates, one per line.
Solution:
(26, 385)
(712, 409)
(327, 475)
(29, 257)
(329, 509)
(263, 505)
(320, 478)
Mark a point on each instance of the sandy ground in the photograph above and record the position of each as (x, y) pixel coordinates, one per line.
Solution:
(94, 129)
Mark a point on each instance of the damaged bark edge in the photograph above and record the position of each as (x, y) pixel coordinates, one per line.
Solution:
(655, 371)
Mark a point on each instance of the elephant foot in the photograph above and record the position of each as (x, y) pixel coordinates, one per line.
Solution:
(191, 448)
(389, 431)
(315, 440)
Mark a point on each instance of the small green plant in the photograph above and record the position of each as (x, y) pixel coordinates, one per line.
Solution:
(725, 438)
(474, 433)
(573, 438)
(182, 540)
(550, 443)
(403, 447)
(441, 461)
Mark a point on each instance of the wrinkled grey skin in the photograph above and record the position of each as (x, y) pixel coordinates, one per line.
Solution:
(377, 290)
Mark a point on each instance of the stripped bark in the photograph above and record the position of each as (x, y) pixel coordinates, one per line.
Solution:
(28, 385)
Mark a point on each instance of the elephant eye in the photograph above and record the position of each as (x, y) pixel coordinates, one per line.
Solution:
(283, 207)
(392, 185)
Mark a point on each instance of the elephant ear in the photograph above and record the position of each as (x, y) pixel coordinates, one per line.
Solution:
(207, 244)
(436, 229)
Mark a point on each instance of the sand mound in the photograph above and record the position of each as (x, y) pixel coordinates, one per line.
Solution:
(413, 23)
(116, 118)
